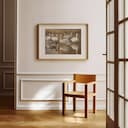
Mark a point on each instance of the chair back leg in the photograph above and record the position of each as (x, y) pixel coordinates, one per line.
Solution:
(63, 100)
(94, 98)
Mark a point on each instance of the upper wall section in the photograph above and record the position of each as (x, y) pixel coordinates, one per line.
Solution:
(33, 12)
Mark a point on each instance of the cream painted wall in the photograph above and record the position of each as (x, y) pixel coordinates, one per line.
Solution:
(33, 12)
(36, 79)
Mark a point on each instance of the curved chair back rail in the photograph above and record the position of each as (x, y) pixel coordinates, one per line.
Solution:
(81, 78)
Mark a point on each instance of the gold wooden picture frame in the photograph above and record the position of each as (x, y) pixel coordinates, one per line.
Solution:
(62, 41)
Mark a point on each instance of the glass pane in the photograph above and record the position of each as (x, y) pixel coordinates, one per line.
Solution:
(108, 18)
(121, 78)
(111, 47)
(111, 76)
(108, 103)
(126, 114)
(121, 113)
(111, 107)
(111, 14)
(126, 81)
(121, 9)
(126, 39)
(121, 41)
(126, 8)
(108, 86)
(108, 45)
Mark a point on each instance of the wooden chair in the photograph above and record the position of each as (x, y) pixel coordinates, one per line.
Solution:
(86, 80)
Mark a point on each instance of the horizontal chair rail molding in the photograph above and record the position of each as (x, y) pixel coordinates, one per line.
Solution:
(44, 80)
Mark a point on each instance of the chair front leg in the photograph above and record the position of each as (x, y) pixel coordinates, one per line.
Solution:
(64, 105)
(86, 101)
(74, 104)
(94, 104)
(74, 99)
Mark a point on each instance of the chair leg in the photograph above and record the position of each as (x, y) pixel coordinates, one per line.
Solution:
(74, 104)
(94, 104)
(74, 99)
(63, 105)
(63, 99)
(86, 102)
(94, 98)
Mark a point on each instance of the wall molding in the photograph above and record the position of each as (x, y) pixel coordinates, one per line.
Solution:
(100, 77)
(7, 67)
(4, 81)
(26, 103)
(23, 99)
(3, 57)
(43, 74)
(56, 73)
(7, 94)
(4, 60)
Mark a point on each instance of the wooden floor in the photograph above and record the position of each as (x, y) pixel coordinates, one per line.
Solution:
(50, 119)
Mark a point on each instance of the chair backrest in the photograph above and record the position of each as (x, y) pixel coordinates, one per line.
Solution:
(84, 78)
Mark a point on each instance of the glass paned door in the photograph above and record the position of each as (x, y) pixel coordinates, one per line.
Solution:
(110, 63)
(117, 63)
(123, 63)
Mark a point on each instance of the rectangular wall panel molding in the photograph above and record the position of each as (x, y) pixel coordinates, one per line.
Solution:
(7, 46)
(8, 80)
(43, 90)
(8, 31)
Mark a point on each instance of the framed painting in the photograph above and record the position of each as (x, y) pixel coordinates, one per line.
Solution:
(62, 41)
